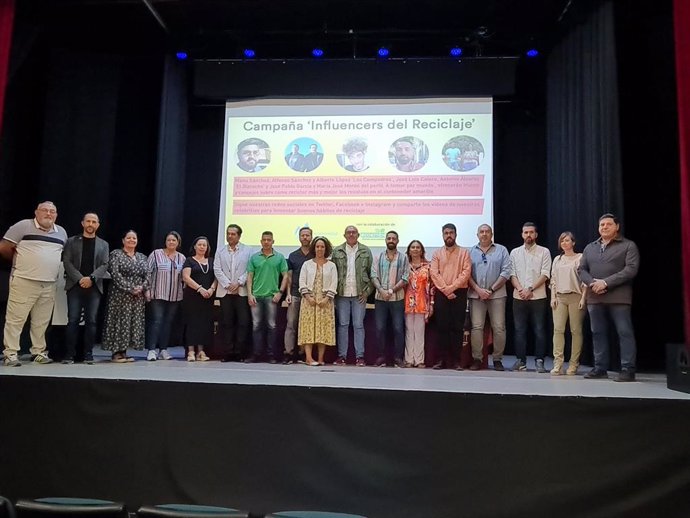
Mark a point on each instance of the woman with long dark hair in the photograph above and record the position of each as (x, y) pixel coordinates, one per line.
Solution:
(197, 302)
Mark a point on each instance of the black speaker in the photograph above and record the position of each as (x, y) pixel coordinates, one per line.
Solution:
(677, 368)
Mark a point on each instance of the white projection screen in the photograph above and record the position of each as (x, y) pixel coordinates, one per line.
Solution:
(409, 165)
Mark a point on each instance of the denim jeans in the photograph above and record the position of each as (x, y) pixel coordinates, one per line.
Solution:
(160, 319)
(291, 325)
(396, 310)
(346, 306)
(526, 313)
(264, 325)
(79, 299)
(619, 314)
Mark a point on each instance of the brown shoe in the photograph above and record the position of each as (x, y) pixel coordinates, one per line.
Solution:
(476, 365)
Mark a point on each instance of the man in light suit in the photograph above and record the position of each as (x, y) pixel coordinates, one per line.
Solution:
(85, 258)
(230, 268)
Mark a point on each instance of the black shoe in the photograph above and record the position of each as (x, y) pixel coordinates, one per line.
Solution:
(272, 361)
(399, 363)
(476, 365)
(287, 359)
(498, 365)
(251, 359)
(89, 360)
(438, 366)
(625, 376)
(380, 361)
(595, 374)
(67, 361)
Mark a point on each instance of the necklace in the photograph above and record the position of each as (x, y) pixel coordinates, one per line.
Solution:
(201, 265)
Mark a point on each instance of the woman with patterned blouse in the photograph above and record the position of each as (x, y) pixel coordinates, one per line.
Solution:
(124, 317)
(419, 304)
(165, 295)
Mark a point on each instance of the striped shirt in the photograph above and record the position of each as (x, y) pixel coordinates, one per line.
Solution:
(38, 252)
(389, 273)
(166, 275)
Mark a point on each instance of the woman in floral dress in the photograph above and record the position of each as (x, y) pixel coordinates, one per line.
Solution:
(318, 281)
(124, 317)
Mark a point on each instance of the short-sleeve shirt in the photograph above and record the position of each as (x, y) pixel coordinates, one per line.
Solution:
(38, 252)
(266, 270)
(295, 261)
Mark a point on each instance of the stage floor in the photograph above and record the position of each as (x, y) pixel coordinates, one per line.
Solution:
(647, 386)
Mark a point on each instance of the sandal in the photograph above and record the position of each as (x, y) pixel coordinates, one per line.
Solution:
(118, 357)
(202, 357)
(191, 357)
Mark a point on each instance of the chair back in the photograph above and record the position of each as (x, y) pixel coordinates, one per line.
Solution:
(6, 508)
(188, 511)
(63, 506)
(312, 514)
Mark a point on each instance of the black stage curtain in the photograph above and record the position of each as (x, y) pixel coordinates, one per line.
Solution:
(379, 453)
(168, 200)
(98, 147)
(584, 177)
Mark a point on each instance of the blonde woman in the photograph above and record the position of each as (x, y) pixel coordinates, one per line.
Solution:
(568, 296)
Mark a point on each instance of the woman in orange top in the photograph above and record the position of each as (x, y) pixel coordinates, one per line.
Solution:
(419, 304)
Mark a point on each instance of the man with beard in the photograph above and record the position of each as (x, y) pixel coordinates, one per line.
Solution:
(608, 266)
(451, 268)
(295, 261)
(530, 268)
(35, 248)
(249, 153)
(406, 159)
(85, 259)
(389, 275)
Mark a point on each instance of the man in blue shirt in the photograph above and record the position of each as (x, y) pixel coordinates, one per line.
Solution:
(487, 294)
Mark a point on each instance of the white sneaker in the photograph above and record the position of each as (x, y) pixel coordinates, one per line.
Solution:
(165, 355)
(151, 356)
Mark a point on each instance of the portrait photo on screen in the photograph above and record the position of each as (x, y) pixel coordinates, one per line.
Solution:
(463, 153)
(354, 155)
(408, 154)
(304, 155)
(253, 155)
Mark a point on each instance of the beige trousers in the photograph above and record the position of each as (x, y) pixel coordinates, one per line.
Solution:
(567, 309)
(36, 298)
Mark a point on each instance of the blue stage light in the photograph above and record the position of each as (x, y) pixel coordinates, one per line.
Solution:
(317, 52)
(383, 52)
(456, 52)
(181, 56)
(532, 53)
(249, 53)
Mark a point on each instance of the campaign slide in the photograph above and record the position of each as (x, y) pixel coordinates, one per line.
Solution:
(409, 165)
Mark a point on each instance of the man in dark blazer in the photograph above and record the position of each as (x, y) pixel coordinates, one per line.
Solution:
(85, 258)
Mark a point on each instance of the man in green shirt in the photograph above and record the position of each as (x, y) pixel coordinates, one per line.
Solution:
(265, 289)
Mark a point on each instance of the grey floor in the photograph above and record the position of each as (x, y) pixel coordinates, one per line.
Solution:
(647, 386)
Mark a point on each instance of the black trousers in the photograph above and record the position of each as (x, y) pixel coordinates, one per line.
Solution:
(450, 321)
(237, 323)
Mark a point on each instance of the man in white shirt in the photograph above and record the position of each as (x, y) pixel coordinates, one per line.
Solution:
(530, 267)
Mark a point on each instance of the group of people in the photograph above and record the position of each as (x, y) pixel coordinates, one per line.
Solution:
(326, 289)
